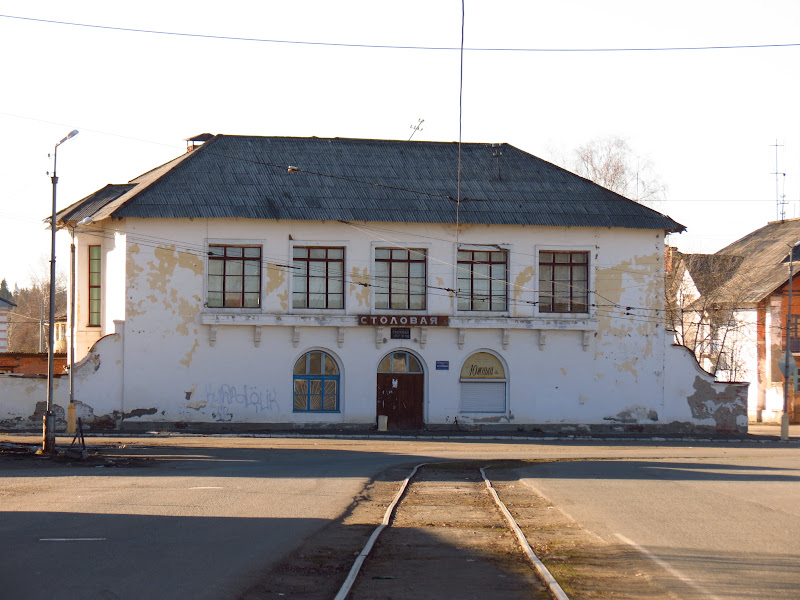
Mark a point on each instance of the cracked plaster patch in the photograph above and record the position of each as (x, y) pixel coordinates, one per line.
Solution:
(360, 286)
(634, 414)
(728, 408)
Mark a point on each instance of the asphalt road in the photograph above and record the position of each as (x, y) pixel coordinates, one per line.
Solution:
(211, 514)
(716, 525)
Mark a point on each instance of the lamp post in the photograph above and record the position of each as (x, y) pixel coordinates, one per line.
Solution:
(785, 415)
(49, 432)
(71, 408)
(71, 412)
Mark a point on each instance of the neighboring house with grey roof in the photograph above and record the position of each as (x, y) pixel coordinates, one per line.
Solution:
(307, 282)
(731, 308)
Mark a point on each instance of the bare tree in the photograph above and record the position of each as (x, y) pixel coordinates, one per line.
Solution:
(610, 162)
(33, 302)
(712, 325)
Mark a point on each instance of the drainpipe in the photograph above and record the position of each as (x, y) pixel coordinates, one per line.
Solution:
(71, 415)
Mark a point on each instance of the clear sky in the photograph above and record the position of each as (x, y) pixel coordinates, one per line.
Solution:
(707, 119)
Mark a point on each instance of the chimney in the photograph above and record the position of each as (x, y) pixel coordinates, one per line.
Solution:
(196, 141)
(668, 252)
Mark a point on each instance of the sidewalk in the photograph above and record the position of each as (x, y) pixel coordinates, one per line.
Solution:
(757, 433)
(772, 431)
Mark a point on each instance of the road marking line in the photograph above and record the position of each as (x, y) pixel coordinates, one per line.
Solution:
(664, 565)
(72, 539)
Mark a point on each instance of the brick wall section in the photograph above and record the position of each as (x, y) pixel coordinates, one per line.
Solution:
(25, 363)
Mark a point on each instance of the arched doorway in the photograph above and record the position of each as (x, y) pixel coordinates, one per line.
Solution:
(401, 390)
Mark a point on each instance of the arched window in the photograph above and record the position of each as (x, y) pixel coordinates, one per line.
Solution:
(316, 383)
(483, 384)
(400, 362)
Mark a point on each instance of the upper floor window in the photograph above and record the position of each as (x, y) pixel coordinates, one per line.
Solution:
(317, 277)
(234, 276)
(400, 278)
(482, 280)
(94, 285)
(563, 282)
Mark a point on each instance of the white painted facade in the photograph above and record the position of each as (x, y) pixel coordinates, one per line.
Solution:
(167, 358)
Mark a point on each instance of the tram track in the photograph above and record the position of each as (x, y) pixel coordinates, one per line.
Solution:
(443, 531)
(426, 535)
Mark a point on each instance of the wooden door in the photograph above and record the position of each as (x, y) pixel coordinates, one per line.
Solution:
(401, 398)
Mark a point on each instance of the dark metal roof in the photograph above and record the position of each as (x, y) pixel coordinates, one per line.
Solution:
(92, 203)
(376, 180)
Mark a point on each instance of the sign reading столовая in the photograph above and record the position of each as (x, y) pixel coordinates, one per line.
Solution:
(404, 320)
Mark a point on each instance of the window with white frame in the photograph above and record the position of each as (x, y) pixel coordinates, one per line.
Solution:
(400, 278)
(234, 276)
(482, 282)
(317, 277)
(563, 281)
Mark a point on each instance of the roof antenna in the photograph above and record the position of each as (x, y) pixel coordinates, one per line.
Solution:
(780, 199)
(497, 152)
(416, 128)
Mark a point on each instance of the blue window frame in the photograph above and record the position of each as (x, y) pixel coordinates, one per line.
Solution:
(316, 383)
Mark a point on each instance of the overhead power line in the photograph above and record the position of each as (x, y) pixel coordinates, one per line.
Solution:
(397, 47)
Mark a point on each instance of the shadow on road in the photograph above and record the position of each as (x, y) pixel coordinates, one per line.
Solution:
(651, 470)
(47, 555)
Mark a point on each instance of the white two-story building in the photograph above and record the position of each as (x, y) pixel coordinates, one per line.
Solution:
(303, 282)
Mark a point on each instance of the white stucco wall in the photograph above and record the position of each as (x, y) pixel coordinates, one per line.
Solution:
(23, 400)
(176, 361)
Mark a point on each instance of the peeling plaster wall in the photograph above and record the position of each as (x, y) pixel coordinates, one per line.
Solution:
(167, 366)
(98, 388)
(98, 384)
(694, 397)
(24, 400)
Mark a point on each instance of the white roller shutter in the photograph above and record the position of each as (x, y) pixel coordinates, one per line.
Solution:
(483, 396)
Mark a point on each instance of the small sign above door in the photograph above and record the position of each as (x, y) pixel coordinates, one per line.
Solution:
(442, 365)
(401, 333)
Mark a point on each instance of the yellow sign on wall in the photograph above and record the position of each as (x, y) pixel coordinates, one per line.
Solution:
(483, 365)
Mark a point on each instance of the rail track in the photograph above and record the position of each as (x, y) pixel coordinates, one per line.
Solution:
(447, 534)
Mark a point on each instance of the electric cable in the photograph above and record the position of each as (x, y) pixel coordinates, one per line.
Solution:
(402, 47)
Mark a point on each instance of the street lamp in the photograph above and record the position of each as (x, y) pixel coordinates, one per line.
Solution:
(49, 431)
(785, 415)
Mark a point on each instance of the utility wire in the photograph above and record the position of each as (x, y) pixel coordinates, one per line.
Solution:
(400, 47)
(460, 115)
(268, 263)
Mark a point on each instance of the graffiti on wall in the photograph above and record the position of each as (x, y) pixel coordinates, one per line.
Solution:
(224, 400)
